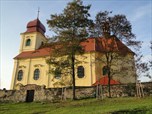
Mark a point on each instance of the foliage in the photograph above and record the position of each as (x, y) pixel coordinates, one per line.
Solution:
(71, 28)
(116, 25)
(150, 61)
(119, 26)
(141, 67)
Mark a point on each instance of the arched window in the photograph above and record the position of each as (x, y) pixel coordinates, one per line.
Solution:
(28, 42)
(80, 71)
(20, 75)
(57, 73)
(36, 74)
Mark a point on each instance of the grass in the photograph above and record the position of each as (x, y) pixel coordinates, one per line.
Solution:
(87, 106)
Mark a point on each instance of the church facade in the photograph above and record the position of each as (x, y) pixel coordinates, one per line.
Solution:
(30, 65)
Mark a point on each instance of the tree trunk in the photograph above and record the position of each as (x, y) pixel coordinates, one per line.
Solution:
(109, 87)
(73, 76)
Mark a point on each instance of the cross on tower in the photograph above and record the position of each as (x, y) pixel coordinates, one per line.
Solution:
(38, 12)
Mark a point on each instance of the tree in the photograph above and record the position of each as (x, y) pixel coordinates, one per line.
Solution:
(150, 62)
(114, 26)
(141, 67)
(71, 27)
(151, 54)
(119, 26)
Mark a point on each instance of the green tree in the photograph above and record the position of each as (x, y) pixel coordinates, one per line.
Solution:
(114, 26)
(119, 26)
(71, 27)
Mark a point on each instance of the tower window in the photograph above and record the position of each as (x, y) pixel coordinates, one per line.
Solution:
(36, 74)
(28, 42)
(80, 71)
(57, 73)
(20, 75)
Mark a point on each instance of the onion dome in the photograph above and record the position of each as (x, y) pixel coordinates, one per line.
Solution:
(35, 26)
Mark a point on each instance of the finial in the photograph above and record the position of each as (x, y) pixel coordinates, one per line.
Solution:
(38, 12)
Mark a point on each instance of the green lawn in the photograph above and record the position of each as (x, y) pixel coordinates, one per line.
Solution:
(87, 106)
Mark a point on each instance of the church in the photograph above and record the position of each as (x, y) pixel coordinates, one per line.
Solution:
(30, 65)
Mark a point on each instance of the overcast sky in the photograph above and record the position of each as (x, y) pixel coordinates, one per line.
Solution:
(15, 14)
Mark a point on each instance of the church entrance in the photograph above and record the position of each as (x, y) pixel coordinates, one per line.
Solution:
(30, 96)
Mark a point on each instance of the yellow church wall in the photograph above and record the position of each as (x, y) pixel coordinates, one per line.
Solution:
(93, 71)
(29, 65)
(87, 80)
(38, 63)
(89, 66)
(22, 65)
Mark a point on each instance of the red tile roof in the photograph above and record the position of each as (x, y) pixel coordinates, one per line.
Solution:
(111, 44)
(104, 81)
(90, 44)
(33, 54)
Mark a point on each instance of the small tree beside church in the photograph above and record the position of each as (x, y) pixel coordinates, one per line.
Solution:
(71, 27)
(111, 27)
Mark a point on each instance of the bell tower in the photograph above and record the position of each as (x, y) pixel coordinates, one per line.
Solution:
(34, 36)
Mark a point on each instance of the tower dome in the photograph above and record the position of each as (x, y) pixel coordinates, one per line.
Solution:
(35, 26)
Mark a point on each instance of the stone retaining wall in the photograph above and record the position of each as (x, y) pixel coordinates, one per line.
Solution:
(54, 94)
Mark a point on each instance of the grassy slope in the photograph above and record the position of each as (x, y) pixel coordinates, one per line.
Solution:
(88, 106)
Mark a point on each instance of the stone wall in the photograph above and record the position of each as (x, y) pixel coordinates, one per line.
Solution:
(12, 95)
(42, 94)
(147, 88)
(119, 90)
(124, 90)
(81, 92)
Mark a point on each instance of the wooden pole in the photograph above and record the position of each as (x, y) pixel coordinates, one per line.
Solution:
(139, 88)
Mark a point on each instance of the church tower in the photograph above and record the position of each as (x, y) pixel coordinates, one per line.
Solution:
(34, 36)
(31, 40)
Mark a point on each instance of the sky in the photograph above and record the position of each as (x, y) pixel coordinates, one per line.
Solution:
(15, 14)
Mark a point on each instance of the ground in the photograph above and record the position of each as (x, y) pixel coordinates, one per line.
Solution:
(86, 106)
